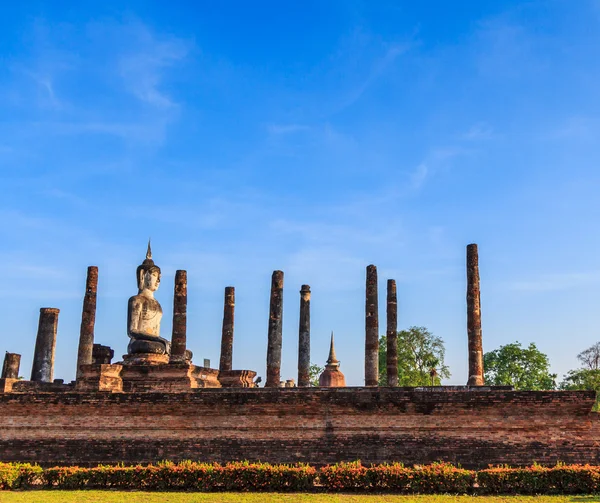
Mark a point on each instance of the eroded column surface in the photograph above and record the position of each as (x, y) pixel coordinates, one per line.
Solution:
(371, 329)
(10, 369)
(275, 331)
(179, 334)
(45, 345)
(88, 320)
(304, 338)
(226, 362)
(392, 334)
(474, 318)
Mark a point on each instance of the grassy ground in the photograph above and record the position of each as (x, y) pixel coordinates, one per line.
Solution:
(140, 497)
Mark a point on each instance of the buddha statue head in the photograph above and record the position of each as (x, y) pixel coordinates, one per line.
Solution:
(148, 274)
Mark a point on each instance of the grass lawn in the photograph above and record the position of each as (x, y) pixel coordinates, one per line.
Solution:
(155, 497)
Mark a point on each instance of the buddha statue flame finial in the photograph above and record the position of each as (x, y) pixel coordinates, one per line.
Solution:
(149, 251)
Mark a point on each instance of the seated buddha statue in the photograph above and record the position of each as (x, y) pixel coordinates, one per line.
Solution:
(144, 312)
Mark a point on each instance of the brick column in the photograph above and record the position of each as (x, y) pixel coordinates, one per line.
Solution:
(275, 331)
(10, 369)
(474, 318)
(392, 334)
(304, 338)
(226, 362)
(88, 320)
(179, 334)
(45, 345)
(371, 329)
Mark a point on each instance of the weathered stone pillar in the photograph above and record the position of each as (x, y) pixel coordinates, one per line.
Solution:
(226, 362)
(10, 369)
(371, 329)
(45, 345)
(88, 320)
(474, 318)
(275, 331)
(304, 338)
(179, 334)
(392, 334)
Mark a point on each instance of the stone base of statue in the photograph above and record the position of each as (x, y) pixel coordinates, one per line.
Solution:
(158, 377)
(145, 359)
(170, 377)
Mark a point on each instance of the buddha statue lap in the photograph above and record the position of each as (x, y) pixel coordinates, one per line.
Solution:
(144, 312)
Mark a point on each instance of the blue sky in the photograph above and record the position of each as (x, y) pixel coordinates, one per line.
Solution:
(311, 137)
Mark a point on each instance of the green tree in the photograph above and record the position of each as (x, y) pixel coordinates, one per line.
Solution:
(419, 352)
(588, 377)
(524, 368)
(314, 371)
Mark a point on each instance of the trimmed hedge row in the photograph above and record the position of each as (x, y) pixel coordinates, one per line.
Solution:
(246, 476)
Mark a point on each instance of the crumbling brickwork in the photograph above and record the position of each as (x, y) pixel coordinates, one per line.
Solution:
(473, 428)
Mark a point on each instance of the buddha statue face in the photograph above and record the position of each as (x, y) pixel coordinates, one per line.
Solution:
(149, 279)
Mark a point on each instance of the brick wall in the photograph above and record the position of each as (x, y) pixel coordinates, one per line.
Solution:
(473, 428)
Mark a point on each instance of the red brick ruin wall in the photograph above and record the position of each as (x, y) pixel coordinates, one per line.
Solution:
(375, 425)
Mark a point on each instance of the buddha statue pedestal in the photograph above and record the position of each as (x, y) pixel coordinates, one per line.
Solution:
(145, 359)
(169, 378)
(161, 377)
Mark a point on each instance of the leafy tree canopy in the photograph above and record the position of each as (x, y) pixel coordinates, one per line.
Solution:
(590, 358)
(524, 368)
(314, 371)
(419, 351)
(588, 377)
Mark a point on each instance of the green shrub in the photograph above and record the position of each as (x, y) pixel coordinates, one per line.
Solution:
(19, 476)
(250, 476)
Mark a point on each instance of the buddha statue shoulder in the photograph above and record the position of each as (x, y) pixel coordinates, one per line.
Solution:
(144, 312)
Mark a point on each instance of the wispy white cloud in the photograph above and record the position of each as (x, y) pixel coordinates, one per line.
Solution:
(376, 71)
(575, 128)
(437, 159)
(418, 176)
(142, 66)
(478, 132)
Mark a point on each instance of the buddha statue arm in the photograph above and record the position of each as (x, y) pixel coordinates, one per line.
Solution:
(134, 315)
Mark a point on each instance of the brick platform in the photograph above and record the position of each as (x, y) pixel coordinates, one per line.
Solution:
(467, 426)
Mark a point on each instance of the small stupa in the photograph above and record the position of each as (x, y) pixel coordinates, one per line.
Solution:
(332, 377)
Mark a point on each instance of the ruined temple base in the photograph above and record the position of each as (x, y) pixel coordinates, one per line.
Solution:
(100, 377)
(237, 378)
(165, 377)
(472, 427)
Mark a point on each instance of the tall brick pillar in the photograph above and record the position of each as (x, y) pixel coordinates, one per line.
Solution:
(371, 329)
(304, 338)
(88, 320)
(474, 318)
(45, 345)
(392, 334)
(275, 331)
(179, 333)
(10, 369)
(226, 362)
